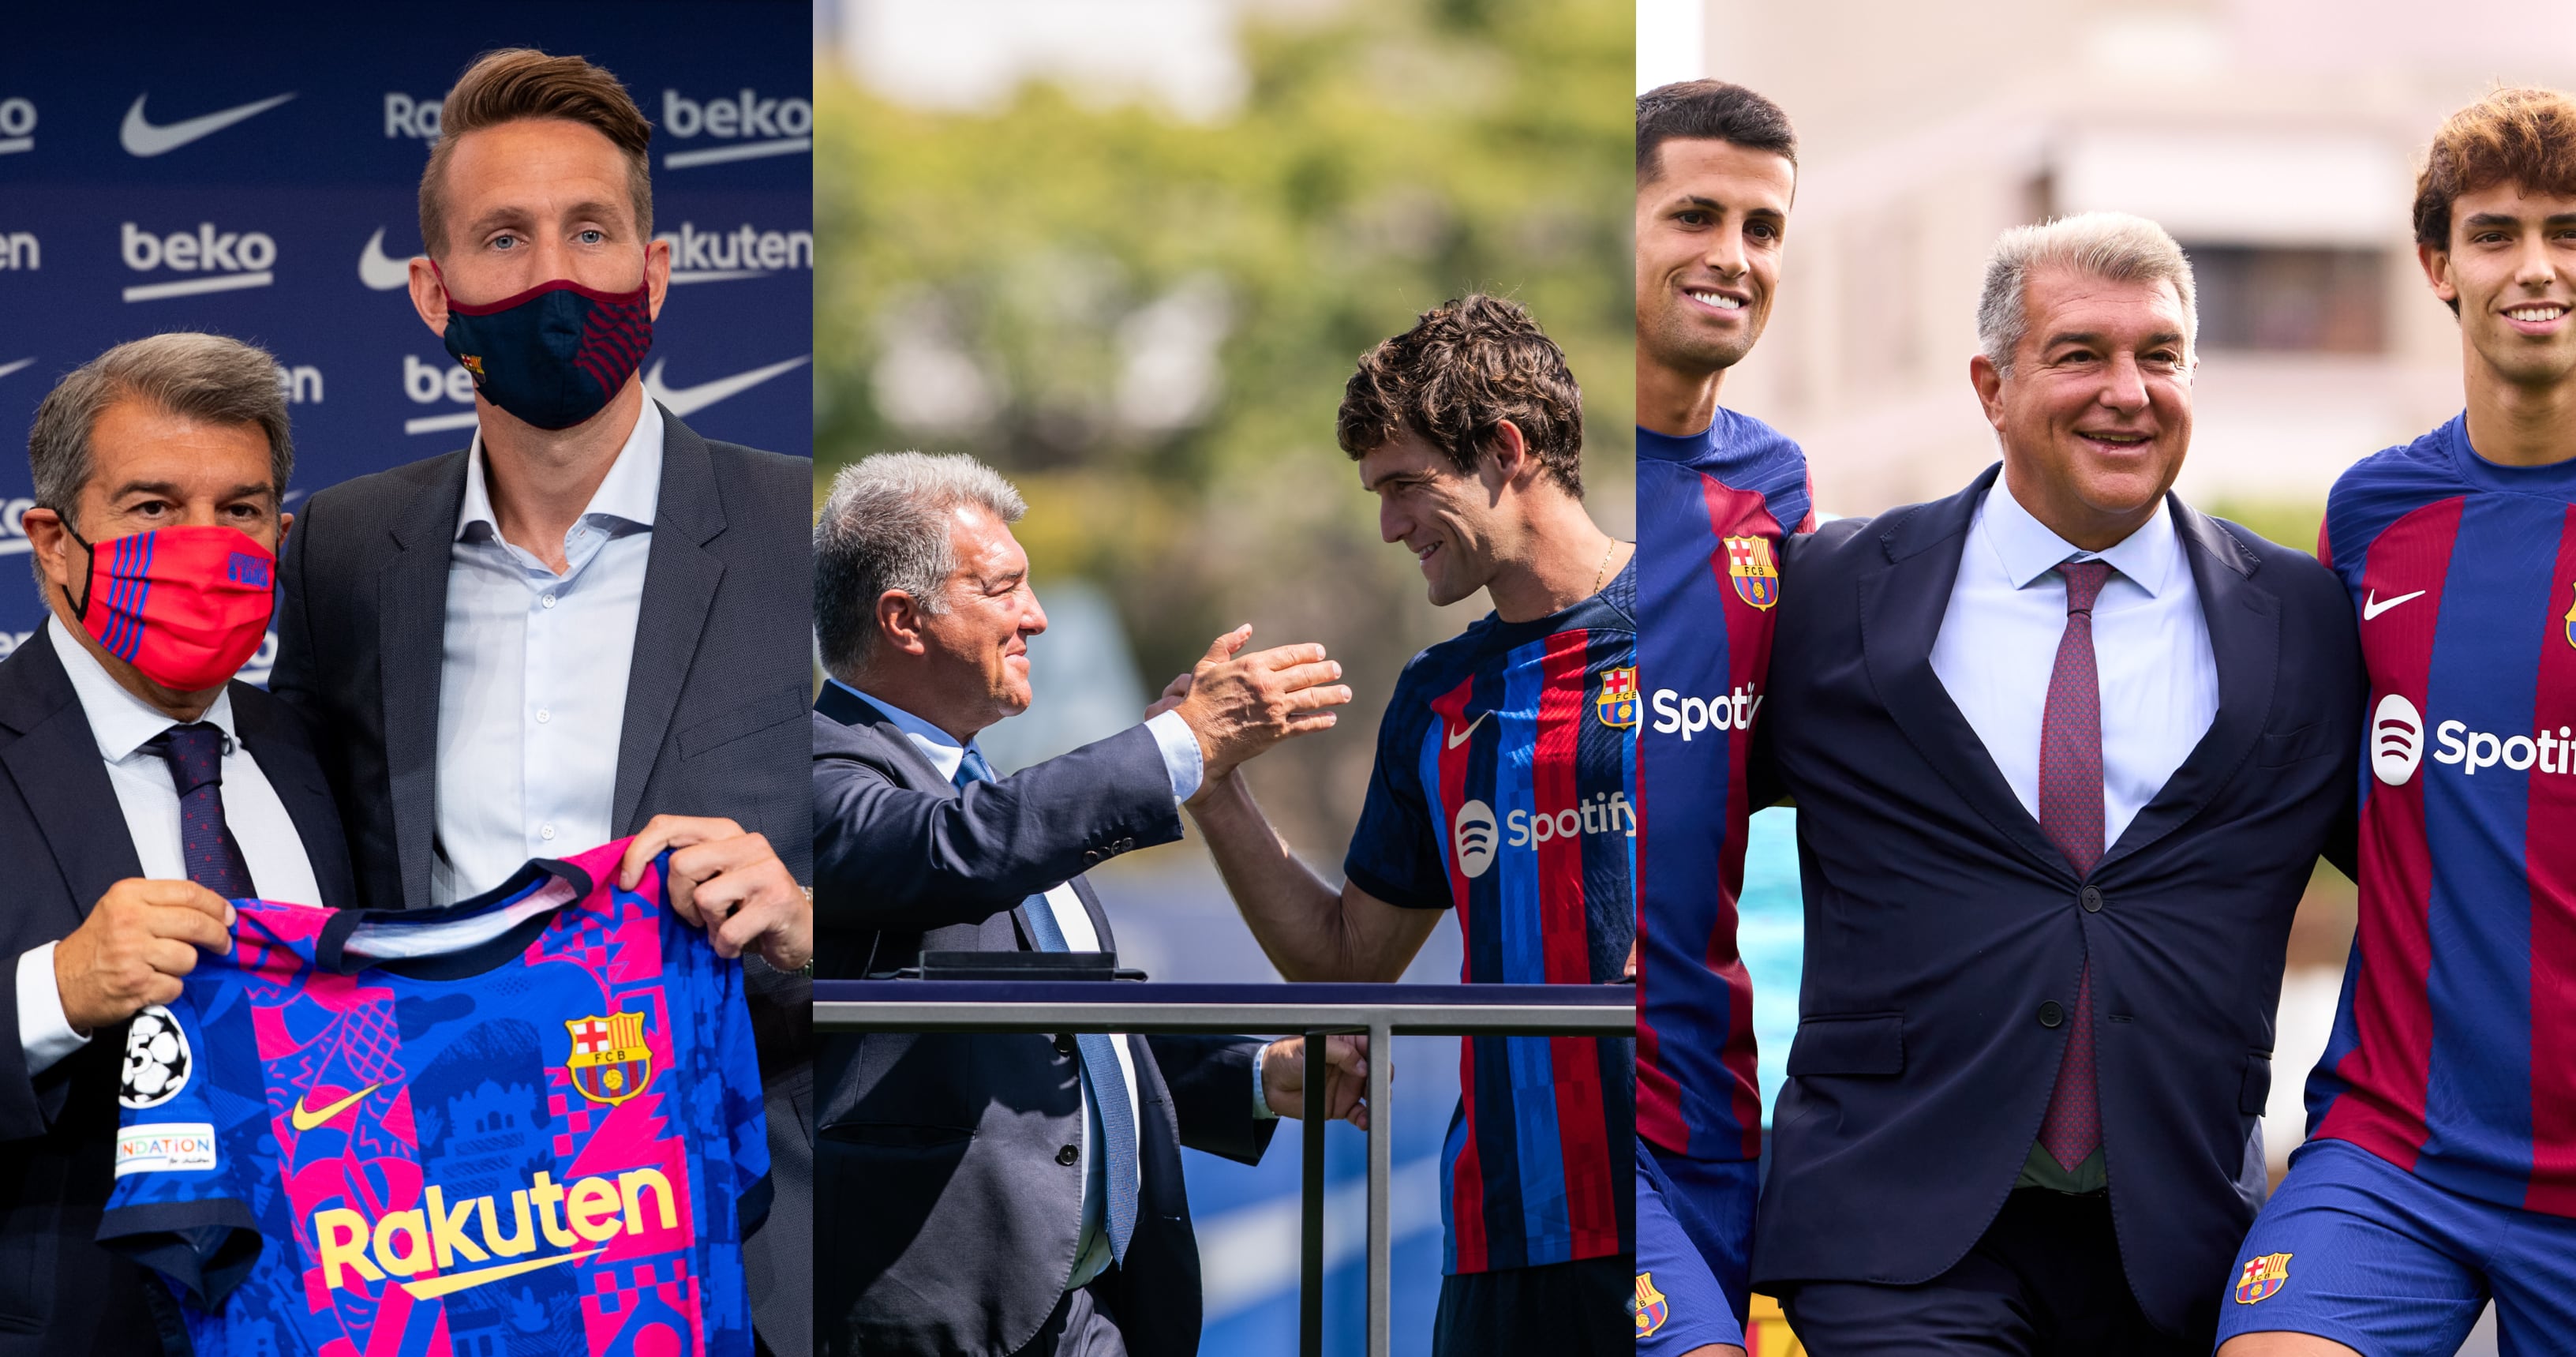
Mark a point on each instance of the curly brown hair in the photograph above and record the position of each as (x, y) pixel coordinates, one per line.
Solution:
(1465, 367)
(2522, 136)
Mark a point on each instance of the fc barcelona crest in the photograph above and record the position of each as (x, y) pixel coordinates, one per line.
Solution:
(2262, 1277)
(1756, 575)
(1617, 703)
(2571, 624)
(1650, 1307)
(609, 1061)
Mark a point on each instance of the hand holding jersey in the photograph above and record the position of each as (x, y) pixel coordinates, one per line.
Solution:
(729, 883)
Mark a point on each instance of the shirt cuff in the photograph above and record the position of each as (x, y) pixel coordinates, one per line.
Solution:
(1181, 757)
(44, 1033)
(1260, 1099)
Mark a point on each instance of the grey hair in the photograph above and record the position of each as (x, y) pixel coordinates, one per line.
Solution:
(885, 527)
(207, 378)
(2113, 246)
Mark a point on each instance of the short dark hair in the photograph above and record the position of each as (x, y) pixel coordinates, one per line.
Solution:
(1711, 110)
(1464, 367)
(519, 83)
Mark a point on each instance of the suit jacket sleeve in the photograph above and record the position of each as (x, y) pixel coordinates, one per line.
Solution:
(1211, 1082)
(885, 854)
(29, 1103)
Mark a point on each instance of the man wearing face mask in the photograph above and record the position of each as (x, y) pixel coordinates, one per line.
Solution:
(590, 623)
(140, 788)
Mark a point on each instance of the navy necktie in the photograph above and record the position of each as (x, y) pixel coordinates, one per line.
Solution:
(1100, 1073)
(195, 754)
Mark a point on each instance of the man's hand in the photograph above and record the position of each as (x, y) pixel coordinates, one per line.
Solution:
(1283, 1078)
(135, 948)
(729, 883)
(1241, 705)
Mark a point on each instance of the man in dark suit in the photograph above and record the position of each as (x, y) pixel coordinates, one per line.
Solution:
(2065, 752)
(993, 1195)
(590, 623)
(140, 786)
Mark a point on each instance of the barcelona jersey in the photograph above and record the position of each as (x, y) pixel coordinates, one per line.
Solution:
(1711, 511)
(529, 1123)
(1505, 789)
(2445, 1058)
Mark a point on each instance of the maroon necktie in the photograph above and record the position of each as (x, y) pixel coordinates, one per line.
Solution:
(2070, 814)
(195, 753)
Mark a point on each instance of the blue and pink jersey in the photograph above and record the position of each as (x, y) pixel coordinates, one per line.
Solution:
(1711, 512)
(2446, 1058)
(1504, 789)
(528, 1123)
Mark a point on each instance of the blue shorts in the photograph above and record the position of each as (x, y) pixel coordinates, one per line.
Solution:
(1694, 1250)
(2356, 1249)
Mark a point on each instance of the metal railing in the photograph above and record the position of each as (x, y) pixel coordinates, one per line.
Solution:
(1382, 1011)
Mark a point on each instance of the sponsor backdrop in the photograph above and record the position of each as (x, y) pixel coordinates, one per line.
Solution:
(255, 173)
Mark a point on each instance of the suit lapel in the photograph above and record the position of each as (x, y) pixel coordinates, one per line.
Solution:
(680, 579)
(56, 765)
(1901, 610)
(2245, 639)
(411, 649)
(1004, 932)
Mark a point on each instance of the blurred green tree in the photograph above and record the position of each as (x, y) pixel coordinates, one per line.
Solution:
(1147, 322)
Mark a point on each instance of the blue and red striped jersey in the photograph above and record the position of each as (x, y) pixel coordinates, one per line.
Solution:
(2463, 971)
(1504, 788)
(1711, 511)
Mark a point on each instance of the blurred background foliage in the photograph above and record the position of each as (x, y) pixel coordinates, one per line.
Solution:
(1146, 321)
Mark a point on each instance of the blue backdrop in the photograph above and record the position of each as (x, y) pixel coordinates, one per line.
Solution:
(254, 171)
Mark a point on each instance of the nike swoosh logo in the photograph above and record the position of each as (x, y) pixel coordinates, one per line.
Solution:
(7, 368)
(688, 400)
(379, 273)
(143, 139)
(2372, 606)
(306, 1119)
(431, 1288)
(1459, 736)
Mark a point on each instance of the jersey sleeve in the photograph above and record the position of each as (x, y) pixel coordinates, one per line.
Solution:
(189, 1130)
(1398, 852)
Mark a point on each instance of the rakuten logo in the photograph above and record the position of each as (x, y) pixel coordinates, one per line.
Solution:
(416, 119)
(17, 125)
(21, 250)
(232, 259)
(783, 126)
(1691, 715)
(746, 251)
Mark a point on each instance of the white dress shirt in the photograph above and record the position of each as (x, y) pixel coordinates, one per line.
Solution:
(1092, 1256)
(1998, 647)
(532, 682)
(122, 724)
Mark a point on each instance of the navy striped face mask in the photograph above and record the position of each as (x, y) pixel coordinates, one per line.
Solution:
(556, 354)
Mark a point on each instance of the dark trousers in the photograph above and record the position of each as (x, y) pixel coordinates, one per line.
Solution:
(1083, 1325)
(1577, 1309)
(2044, 1281)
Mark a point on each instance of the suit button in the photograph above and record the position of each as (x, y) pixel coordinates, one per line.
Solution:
(1068, 1156)
(2050, 1015)
(1091, 857)
(1064, 1043)
(2091, 899)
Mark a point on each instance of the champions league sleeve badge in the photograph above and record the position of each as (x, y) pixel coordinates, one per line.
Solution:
(2262, 1277)
(1756, 575)
(157, 1059)
(609, 1061)
(1617, 703)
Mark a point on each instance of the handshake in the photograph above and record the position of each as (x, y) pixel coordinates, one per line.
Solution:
(1239, 705)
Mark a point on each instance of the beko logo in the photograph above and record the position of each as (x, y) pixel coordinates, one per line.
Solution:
(409, 117)
(13, 522)
(2396, 740)
(232, 260)
(1690, 715)
(1474, 834)
(746, 251)
(17, 125)
(781, 126)
(20, 250)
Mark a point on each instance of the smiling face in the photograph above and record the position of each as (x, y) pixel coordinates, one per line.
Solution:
(2095, 413)
(1709, 230)
(980, 645)
(1451, 522)
(2511, 270)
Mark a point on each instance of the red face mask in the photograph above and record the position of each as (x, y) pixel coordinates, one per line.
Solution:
(186, 606)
